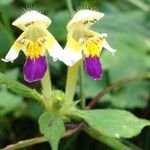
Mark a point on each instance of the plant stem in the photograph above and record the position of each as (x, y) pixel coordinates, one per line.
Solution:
(81, 79)
(72, 72)
(114, 143)
(71, 82)
(70, 7)
(109, 141)
(33, 141)
(126, 142)
(47, 89)
(116, 85)
(25, 143)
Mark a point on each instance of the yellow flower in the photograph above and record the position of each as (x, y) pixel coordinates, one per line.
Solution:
(85, 43)
(34, 42)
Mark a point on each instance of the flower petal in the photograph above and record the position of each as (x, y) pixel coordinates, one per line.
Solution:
(30, 18)
(107, 47)
(93, 67)
(56, 52)
(70, 57)
(72, 52)
(53, 47)
(84, 19)
(11, 55)
(15, 49)
(34, 69)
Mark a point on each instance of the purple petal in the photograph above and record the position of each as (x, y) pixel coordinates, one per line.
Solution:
(93, 67)
(34, 69)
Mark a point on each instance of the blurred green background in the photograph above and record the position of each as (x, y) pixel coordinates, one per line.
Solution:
(127, 23)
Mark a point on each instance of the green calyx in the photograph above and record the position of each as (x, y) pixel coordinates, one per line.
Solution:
(58, 98)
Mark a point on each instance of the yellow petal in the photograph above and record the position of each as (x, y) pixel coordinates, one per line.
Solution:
(74, 45)
(92, 49)
(35, 49)
(93, 46)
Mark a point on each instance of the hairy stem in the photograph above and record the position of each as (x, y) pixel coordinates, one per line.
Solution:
(81, 82)
(103, 139)
(37, 140)
(47, 89)
(25, 143)
(71, 82)
(109, 141)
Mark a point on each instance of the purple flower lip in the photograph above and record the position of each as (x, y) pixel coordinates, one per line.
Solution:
(34, 68)
(93, 67)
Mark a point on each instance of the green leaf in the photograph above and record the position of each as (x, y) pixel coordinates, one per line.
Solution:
(19, 88)
(52, 126)
(8, 101)
(113, 123)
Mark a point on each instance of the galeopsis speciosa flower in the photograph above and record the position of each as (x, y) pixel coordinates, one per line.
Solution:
(35, 41)
(84, 43)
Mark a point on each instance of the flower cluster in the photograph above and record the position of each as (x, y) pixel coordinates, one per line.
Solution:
(36, 41)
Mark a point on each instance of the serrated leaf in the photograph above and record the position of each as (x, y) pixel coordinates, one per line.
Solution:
(113, 123)
(19, 88)
(52, 126)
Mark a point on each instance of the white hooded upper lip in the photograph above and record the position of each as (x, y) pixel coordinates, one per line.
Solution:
(83, 16)
(31, 17)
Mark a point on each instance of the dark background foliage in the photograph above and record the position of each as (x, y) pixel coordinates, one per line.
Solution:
(127, 24)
